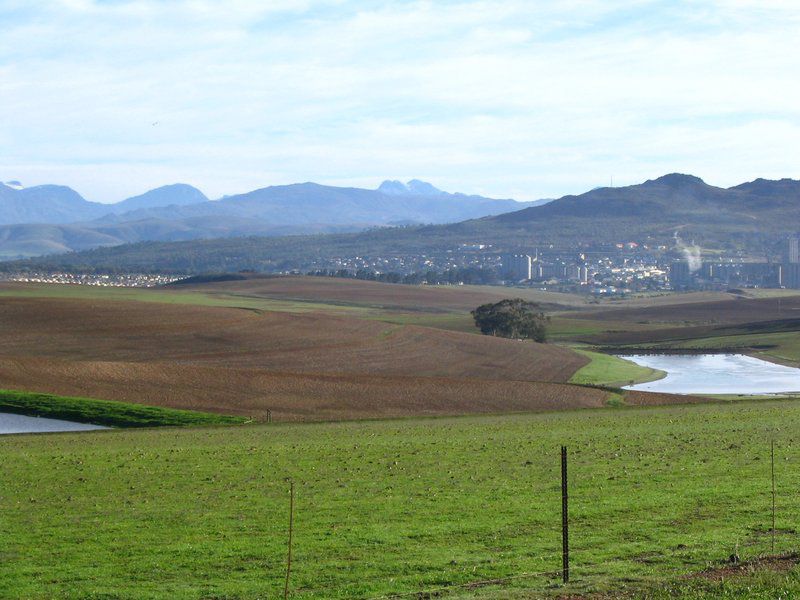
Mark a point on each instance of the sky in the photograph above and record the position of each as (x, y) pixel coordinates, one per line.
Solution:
(504, 98)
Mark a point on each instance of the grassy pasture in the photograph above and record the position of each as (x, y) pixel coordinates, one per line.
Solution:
(174, 296)
(105, 412)
(605, 369)
(404, 506)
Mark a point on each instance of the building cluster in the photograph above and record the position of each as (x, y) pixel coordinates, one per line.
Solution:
(601, 273)
(464, 257)
(524, 267)
(120, 280)
(613, 269)
(610, 269)
(733, 273)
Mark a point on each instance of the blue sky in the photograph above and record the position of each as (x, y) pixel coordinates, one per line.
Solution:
(514, 98)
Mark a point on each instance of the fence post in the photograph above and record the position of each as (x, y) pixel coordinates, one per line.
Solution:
(772, 468)
(289, 556)
(564, 518)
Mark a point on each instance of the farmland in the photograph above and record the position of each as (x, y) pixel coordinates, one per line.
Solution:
(406, 506)
(293, 349)
(315, 348)
(395, 493)
(765, 325)
(298, 366)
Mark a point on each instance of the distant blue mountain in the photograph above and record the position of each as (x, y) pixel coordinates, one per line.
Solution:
(415, 187)
(177, 194)
(55, 204)
(182, 212)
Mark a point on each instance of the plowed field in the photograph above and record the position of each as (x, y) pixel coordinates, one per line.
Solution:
(299, 366)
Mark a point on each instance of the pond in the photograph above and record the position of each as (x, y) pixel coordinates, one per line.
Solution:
(10, 423)
(716, 374)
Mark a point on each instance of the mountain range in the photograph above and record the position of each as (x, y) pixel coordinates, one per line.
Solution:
(50, 219)
(752, 218)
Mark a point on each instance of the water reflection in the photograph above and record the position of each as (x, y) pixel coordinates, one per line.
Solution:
(10, 423)
(716, 374)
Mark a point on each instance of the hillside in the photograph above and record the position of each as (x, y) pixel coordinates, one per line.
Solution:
(300, 366)
(752, 217)
(181, 212)
(50, 204)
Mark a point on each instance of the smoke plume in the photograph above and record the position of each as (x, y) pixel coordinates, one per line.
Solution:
(692, 253)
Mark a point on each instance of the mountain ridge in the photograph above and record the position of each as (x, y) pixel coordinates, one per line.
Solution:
(179, 212)
(749, 216)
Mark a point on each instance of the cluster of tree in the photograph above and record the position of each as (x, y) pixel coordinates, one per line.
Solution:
(512, 318)
(467, 275)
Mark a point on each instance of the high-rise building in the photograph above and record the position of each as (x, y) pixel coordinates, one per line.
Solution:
(517, 266)
(679, 274)
(793, 250)
(791, 275)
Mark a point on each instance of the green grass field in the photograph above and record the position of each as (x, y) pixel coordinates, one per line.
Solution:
(170, 296)
(403, 506)
(612, 371)
(105, 412)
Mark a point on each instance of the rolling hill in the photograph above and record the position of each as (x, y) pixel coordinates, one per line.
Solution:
(750, 216)
(300, 366)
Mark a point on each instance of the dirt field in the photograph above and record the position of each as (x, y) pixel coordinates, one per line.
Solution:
(307, 366)
(733, 310)
(140, 332)
(405, 298)
(290, 396)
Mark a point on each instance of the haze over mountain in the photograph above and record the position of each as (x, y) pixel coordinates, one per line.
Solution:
(45, 204)
(53, 204)
(750, 216)
(182, 212)
(177, 194)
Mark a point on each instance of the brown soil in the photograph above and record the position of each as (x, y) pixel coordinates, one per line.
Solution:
(307, 366)
(735, 310)
(370, 293)
(299, 367)
(235, 338)
(638, 398)
(289, 396)
(779, 564)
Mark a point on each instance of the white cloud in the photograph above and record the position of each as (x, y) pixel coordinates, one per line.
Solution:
(513, 98)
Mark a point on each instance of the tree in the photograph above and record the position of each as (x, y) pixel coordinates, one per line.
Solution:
(517, 319)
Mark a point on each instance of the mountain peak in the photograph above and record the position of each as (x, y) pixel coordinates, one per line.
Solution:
(422, 188)
(676, 180)
(414, 187)
(174, 194)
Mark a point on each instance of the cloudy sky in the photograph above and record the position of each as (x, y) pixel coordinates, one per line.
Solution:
(506, 98)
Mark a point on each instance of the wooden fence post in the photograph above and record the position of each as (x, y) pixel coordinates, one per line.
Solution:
(772, 468)
(289, 556)
(564, 518)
